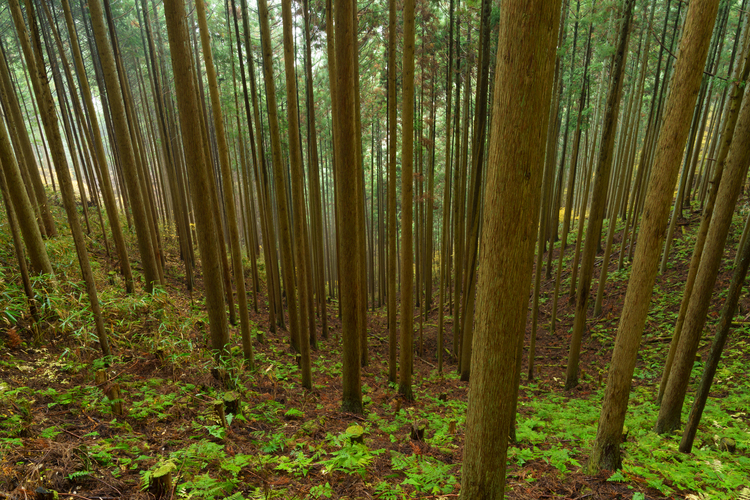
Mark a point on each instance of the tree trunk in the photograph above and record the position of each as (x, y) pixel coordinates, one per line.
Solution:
(347, 198)
(226, 177)
(392, 231)
(599, 202)
(685, 85)
(695, 317)
(407, 185)
(298, 194)
(522, 94)
(35, 63)
(125, 146)
(282, 205)
(198, 171)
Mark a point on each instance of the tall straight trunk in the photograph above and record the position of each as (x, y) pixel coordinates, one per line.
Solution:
(685, 85)
(298, 193)
(599, 202)
(547, 176)
(282, 204)
(35, 63)
(392, 231)
(360, 220)
(407, 186)
(125, 146)
(347, 198)
(146, 186)
(226, 177)
(314, 169)
(571, 181)
(446, 195)
(477, 164)
(198, 171)
(522, 95)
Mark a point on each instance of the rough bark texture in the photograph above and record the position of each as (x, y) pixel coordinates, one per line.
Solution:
(525, 64)
(407, 174)
(347, 197)
(226, 177)
(685, 85)
(179, 44)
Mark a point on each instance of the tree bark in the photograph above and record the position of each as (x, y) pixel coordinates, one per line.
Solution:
(523, 83)
(407, 186)
(187, 102)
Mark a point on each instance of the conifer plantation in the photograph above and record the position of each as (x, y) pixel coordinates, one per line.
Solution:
(396, 249)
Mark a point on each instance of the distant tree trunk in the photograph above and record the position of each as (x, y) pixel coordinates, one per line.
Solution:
(35, 63)
(198, 171)
(407, 179)
(125, 146)
(477, 164)
(685, 85)
(282, 205)
(347, 198)
(22, 207)
(14, 115)
(226, 177)
(298, 193)
(522, 95)
(598, 203)
(314, 169)
(392, 231)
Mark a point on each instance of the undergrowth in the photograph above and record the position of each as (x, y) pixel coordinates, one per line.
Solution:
(58, 429)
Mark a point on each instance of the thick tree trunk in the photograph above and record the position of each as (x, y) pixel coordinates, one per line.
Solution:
(522, 94)
(347, 199)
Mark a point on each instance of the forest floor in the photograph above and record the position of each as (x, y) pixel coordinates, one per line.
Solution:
(58, 431)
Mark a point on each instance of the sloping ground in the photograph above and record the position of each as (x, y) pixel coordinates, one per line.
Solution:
(58, 431)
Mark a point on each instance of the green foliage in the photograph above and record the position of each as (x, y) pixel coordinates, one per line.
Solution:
(426, 474)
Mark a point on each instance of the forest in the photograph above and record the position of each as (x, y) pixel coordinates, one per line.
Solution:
(374, 249)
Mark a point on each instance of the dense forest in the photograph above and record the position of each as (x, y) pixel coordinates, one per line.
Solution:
(378, 249)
